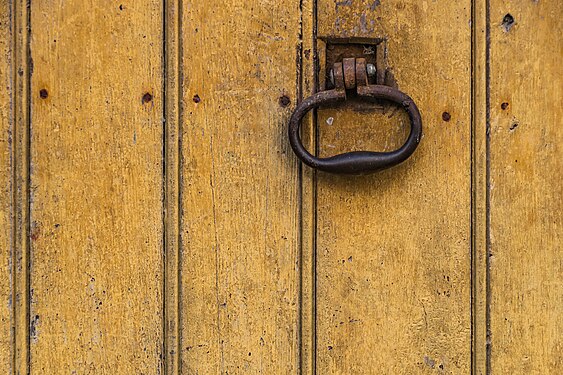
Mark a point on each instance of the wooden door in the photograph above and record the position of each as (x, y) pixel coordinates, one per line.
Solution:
(155, 220)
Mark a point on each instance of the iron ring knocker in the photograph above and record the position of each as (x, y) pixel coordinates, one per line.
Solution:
(356, 162)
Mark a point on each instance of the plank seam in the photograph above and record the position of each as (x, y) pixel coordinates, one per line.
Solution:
(480, 187)
(21, 147)
(172, 110)
(308, 84)
(300, 216)
(314, 190)
(488, 182)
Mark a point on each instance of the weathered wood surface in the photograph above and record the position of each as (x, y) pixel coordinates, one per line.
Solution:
(199, 246)
(240, 204)
(96, 187)
(172, 154)
(479, 188)
(20, 69)
(526, 187)
(308, 205)
(393, 249)
(5, 191)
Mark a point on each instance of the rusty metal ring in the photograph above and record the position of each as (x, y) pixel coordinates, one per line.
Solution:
(356, 162)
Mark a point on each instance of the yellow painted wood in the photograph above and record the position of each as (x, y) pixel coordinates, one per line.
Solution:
(393, 249)
(199, 245)
(172, 154)
(240, 236)
(526, 196)
(307, 276)
(96, 187)
(6, 194)
(20, 170)
(479, 209)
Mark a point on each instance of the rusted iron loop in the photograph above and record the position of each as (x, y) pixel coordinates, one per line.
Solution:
(356, 162)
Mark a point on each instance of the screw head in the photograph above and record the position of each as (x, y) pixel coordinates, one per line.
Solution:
(371, 70)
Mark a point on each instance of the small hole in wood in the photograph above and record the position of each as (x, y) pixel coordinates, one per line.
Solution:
(147, 97)
(507, 22)
(284, 100)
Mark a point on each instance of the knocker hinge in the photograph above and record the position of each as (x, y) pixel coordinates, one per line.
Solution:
(351, 73)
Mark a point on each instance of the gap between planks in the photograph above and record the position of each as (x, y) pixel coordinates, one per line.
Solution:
(20, 165)
(172, 94)
(308, 85)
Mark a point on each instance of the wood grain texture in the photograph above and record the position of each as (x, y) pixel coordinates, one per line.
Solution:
(526, 197)
(199, 246)
(393, 261)
(96, 187)
(172, 126)
(479, 188)
(21, 72)
(6, 192)
(308, 204)
(240, 188)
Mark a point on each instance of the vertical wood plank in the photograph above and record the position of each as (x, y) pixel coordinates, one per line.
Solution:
(21, 72)
(393, 289)
(240, 236)
(308, 182)
(526, 198)
(172, 286)
(96, 187)
(479, 185)
(6, 192)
